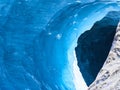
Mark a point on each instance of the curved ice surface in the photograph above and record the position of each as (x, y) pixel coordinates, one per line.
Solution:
(60, 36)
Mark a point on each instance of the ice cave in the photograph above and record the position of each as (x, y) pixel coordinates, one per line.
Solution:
(55, 45)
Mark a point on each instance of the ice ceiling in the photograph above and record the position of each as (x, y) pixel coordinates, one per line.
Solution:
(37, 52)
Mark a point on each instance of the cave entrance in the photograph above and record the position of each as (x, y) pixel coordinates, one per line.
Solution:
(94, 45)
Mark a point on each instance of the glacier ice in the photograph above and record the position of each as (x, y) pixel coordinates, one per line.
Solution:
(36, 38)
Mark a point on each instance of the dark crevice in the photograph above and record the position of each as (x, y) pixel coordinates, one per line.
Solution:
(94, 45)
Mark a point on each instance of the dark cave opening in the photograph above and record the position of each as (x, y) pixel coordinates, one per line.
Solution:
(94, 45)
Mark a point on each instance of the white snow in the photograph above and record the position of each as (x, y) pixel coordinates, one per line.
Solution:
(58, 36)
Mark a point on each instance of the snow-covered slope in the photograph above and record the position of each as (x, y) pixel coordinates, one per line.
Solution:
(109, 76)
